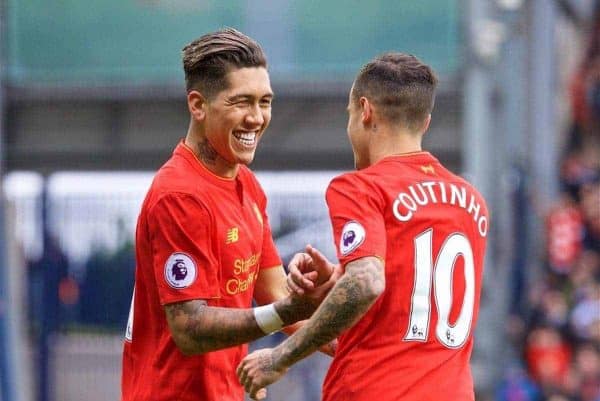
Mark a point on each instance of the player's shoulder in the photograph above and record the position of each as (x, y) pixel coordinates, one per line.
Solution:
(463, 182)
(175, 176)
(249, 180)
(247, 176)
(353, 184)
(455, 180)
(174, 181)
(345, 181)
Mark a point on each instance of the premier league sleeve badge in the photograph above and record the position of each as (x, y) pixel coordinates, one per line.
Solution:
(353, 234)
(180, 270)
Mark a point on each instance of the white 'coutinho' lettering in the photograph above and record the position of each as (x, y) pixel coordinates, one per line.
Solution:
(443, 191)
(429, 185)
(407, 204)
(461, 195)
(421, 201)
(474, 207)
(482, 224)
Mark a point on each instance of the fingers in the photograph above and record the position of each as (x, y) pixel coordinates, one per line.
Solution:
(261, 394)
(299, 284)
(300, 261)
(300, 277)
(304, 281)
(292, 287)
(321, 264)
(255, 391)
(319, 260)
(244, 377)
(241, 370)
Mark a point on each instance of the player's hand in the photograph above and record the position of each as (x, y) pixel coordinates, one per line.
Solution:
(260, 394)
(257, 371)
(329, 348)
(311, 274)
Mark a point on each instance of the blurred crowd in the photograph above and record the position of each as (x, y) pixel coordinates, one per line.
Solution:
(558, 338)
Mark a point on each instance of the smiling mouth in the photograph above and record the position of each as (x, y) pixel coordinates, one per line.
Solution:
(246, 138)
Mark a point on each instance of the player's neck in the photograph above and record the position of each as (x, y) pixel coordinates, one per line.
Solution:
(394, 143)
(207, 156)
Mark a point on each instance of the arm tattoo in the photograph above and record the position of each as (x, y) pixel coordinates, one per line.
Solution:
(347, 302)
(199, 328)
(293, 309)
(206, 152)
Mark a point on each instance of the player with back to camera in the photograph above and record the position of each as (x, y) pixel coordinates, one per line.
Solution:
(410, 238)
(204, 248)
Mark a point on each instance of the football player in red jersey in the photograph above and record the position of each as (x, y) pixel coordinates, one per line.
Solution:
(204, 248)
(410, 240)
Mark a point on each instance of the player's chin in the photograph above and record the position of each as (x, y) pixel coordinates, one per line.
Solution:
(245, 157)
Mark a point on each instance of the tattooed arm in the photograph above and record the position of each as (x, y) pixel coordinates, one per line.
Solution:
(198, 328)
(273, 285)
(348, 301)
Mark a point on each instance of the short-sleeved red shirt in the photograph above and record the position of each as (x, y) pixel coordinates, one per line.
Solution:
(430, 228)
(199, 236)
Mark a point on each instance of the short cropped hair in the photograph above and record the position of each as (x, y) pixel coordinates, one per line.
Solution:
(401, 87)
(208, 59)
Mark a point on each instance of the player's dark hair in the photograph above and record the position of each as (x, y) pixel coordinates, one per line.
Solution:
(208, 59)
(400, 86)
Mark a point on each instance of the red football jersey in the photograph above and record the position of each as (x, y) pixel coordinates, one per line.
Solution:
(199, 236)
(430, 228)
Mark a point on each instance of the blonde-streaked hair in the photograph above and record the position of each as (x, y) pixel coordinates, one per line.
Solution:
(208, 59)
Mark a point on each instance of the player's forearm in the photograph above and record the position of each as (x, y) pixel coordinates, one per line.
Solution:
(327, 349)
(197, 328)
(293, 309)
(347, 302)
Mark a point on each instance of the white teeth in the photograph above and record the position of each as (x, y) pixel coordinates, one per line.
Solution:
(247, 138)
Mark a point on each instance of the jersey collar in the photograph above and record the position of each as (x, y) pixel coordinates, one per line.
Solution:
(411, 157)
(188, 154)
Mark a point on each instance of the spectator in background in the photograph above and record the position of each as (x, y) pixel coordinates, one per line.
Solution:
(590, 208)
(517, 386)
(548, 356)
(587, 363)
(585, 89)
(585, 316)
(562, 347)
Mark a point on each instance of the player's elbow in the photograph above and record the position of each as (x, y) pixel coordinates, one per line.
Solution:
(378, 289)
(184, 343)
(375, 289)
(183, 319)
(372, 278)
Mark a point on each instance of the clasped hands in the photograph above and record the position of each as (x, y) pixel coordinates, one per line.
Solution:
(311, 276)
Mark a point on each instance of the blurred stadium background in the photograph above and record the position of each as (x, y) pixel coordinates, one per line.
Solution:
(92, 102)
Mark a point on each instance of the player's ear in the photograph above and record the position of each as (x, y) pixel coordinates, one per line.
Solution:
(366, 110)
(196, 105)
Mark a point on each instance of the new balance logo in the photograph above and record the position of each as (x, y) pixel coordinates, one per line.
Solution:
(233, 235)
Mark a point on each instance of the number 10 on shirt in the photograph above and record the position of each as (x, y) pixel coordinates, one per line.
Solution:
(455, 245)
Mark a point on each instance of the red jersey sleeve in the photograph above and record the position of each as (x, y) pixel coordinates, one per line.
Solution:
(356, 214)
(269, 255)
(184, 263)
